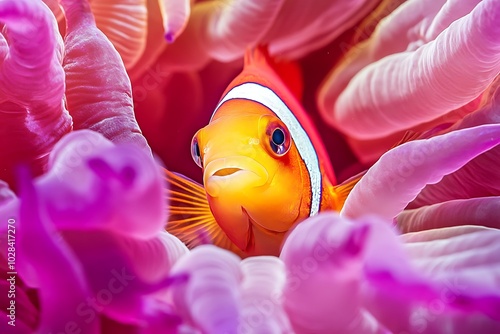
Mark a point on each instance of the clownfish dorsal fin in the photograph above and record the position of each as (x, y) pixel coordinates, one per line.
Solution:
(189, 216)
(287, 71)
(257, 55)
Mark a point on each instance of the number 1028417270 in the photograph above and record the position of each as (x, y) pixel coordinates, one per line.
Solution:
(11, 273)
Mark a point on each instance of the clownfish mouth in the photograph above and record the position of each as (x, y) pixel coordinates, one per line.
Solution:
(226, 171)
(235, 173)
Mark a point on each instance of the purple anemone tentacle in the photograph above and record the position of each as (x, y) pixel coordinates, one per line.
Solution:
(98, 92)
(408, 88)
(400, 174)
(210, 300)
(175, 15)
(481, 211)
(43, 257)
(478, 178)
(33, 117)
(323, 257)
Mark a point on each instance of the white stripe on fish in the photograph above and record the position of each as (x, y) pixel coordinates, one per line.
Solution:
(268, 98)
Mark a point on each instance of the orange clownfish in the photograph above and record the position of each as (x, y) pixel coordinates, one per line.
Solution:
(265, 168)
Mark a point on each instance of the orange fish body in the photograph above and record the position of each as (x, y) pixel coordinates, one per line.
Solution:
(264, 168)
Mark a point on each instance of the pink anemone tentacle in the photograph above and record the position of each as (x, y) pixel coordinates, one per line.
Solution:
(98, 92)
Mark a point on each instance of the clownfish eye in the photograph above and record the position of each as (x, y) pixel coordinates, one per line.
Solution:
(195, 151)
(279, 139)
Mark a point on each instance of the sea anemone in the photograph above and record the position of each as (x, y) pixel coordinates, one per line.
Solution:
(83, 197)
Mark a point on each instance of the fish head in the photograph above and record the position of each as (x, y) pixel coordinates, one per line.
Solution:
(253, 176)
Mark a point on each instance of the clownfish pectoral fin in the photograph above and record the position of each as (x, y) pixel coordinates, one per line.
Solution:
(189, 216)
(343, 190)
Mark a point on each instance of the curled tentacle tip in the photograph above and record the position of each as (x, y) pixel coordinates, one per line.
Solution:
(176, 279)
(127, 176)
(170, 37)
(356, 241)
(102, 169)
